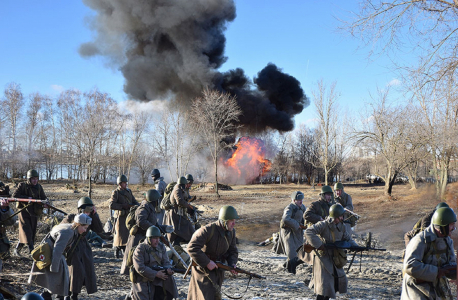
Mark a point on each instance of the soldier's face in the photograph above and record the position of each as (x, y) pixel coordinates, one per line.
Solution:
(123, 185)
(154, 241)
(230, 224)
(188, 185)
(298, 202)
(339, 193)
(34, 180)
(451, 228)
(82, 228)
(328, 197)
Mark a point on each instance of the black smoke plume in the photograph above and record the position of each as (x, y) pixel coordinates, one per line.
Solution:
(173, 48)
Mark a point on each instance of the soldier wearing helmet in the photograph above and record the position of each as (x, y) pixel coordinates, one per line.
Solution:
(328, 278)
(152, 284)
(319, 210)
(121, 201)
(28, 218)
(177, 216)
(430, 259)
(345, 200)
(55, 278)
(160, 186)
(422, 223)
(291, 230)
(212, 243)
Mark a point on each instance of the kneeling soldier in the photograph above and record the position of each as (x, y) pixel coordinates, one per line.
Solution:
(150, 284)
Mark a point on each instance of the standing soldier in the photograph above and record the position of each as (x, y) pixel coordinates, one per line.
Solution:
(328, 273)
(177, 216)
(345, 200)
(214, 242)
(192, 213)
(151, 284)
(28, 218)
(292, 225)
(5, 220)
(79, 257)
(319, 210)
(430, 259)
(160, 187)
(122, 200)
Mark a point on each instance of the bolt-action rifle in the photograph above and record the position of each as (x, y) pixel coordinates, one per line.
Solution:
(176, 270)
(42, 202)
(227, 268)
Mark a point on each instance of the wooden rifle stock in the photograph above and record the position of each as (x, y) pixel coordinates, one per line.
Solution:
(42, 202)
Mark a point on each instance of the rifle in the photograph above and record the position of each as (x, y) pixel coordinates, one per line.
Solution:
(176, 270)
(238, 270)
(42, 202)
(166, 242)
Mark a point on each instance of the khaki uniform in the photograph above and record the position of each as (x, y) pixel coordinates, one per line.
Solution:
(210, 242)
(327, 278)
(144, 257)
(119, 198)
(425, 253)
(4, 242)
(145, 217)
(28, 218)
(81, 269)
(291, 235)
(177, 216)
(346, 201)
(56, 278)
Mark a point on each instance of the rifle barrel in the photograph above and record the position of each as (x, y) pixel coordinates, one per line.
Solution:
(237, 269)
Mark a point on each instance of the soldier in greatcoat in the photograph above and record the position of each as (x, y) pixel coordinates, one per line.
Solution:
(328, 278)
(430, 260)
(160, 186)
(291, 232)
(5, 220)
(28, 218)
(345, 200)
(177, 216)
(121, 201)
(151, 284)
(55, 277)
(81, 262)
(215, 242)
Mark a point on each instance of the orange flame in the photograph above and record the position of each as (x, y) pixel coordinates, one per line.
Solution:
(248, 159)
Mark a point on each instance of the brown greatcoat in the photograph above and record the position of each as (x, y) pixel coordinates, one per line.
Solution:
(210, 242)
(291, 235)
(145, 217)
(56, 278)
(120, 198)
(177, 216)
(28, 217)
(324, 269)
(144, 258)
(81, 268)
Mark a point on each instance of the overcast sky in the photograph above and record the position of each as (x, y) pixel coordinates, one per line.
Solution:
(40, 40)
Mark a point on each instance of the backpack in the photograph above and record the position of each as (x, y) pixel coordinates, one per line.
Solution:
(166, 204)
(130, 219)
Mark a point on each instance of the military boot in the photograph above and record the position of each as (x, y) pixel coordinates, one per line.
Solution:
(118, 252)
(31, 248)
(17, 250)
(60, 297)
(46, 295)
(292, 264)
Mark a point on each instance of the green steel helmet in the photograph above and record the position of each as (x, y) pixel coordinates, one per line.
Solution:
(442, 204)
(182, 180)
(152, 195)
(297, 196)
(336, 211)
(84, 201)
(32, 296)
(153, 231)
(189, 178)
(32, 173)
(326, 189)
(122, 178)
(338, 186)
(228, 212)
(155, 172)
(444, 216)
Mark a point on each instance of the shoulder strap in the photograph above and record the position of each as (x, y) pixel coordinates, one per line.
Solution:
(153, 253)
(212, 231)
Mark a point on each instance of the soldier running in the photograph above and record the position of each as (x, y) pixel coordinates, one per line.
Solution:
(122, 200)
(209, 244)
(28, 217)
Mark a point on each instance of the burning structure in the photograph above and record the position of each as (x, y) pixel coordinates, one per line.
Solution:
(247, 162)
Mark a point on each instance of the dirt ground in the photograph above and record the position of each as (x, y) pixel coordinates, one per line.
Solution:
(260, 208)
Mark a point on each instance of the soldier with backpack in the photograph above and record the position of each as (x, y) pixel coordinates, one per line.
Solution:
(430, 259)
(121, 201)
(160, 186)
(147, 283)
(291, 232)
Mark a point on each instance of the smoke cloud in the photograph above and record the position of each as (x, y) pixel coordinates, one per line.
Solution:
(174, 48)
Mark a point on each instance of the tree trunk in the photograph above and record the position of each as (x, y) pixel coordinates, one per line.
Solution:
(216, 176)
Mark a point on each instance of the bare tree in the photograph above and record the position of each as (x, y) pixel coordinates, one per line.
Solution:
(326, 109)
(14, 101)
(216, 115)
(306, 152)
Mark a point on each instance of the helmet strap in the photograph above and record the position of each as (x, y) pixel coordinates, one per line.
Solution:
(445, 230)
